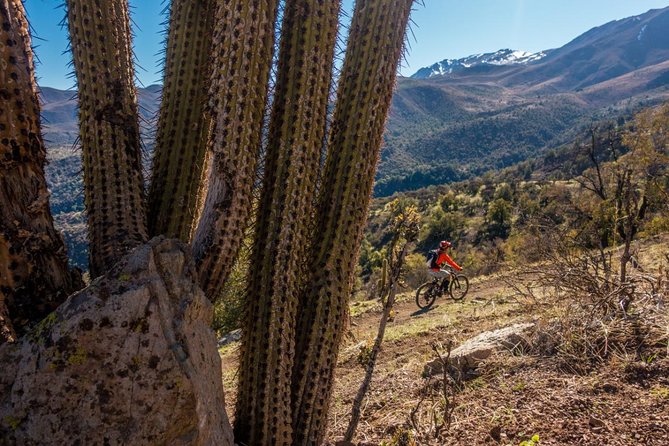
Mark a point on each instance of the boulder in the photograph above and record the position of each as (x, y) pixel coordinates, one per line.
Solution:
(129, 360)
(475, 350)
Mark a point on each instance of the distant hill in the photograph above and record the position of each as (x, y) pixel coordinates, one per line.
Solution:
(505, 57)
(459, 118)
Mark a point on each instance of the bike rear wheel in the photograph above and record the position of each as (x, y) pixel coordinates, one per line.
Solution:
(458, 287)
(426, 294)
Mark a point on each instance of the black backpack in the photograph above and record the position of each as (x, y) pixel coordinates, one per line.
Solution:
(431, 259)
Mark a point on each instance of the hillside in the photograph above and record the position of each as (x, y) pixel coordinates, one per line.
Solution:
(459, 118)
(545, 387)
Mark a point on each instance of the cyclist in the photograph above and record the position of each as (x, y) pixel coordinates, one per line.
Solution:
(438, 258)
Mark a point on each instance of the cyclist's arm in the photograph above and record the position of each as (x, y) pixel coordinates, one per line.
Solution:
(447, 259)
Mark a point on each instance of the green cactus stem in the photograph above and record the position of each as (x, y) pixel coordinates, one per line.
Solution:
(108, 129)
(34, 278)
(242, 56)
(383, 281)
(175, 193)
(363, 99)
(296, 135)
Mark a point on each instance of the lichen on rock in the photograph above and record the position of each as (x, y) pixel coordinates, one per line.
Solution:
(129, 360)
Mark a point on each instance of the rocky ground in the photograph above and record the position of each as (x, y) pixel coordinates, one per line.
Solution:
(538, 389)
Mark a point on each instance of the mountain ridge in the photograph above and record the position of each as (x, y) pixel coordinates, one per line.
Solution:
(498, 58)
(647, 27)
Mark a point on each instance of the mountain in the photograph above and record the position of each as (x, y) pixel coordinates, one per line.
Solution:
(603, 53)
(498, 58)
(459, 118)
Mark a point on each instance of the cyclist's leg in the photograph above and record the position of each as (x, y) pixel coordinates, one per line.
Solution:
(440, 276)
(435, 274)
(446, 279)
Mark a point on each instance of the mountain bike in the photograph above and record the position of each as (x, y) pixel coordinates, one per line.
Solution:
(455, 284)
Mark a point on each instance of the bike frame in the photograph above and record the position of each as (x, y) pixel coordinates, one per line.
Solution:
(441, 282)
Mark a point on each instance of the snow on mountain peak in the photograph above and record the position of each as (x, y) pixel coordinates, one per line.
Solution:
(501, 57)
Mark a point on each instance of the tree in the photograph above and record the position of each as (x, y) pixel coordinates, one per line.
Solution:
(498, 219)
(182, 137)
(625, 189)
(298, 295)
(108, 129)
(404, 227)
(639, 176)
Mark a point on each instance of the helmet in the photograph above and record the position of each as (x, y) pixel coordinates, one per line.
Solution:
(444, 244)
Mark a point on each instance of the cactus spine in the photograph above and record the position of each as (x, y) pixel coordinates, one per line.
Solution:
(109, 129)
(296, 136)
(363, 99)
(183, 126)
(242, 56)
(34, 278)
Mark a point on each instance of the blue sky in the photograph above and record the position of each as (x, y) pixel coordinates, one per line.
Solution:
(442, 29)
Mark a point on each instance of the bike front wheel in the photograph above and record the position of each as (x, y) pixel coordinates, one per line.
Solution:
(426, 294)
(458, 287)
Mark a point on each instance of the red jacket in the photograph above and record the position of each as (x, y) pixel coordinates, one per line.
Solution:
(445, 258)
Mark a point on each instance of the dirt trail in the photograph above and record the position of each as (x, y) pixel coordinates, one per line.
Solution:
(482, 292)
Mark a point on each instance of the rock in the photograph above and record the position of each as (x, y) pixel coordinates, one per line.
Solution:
(496, 433)
(596, 424)
(129, 360)
(229, 338)
(473, 351)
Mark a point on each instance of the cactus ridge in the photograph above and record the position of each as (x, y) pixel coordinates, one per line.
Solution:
(365, 88)
(296, 134)
(175, 193)
(109, 129)
(242, 54)
(34, 278)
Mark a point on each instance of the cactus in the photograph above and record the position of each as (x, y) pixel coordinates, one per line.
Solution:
(242, 57)
(296, 134)
(363, 99)
(109, 129)
(295, 323)
(34, 278)
(383, 280)
(183, 126)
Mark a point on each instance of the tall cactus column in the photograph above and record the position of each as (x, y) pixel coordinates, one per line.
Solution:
(34, 278)
(109, 128)
(296, 136)
(363, 99)
(242, 57)
(183, 125)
